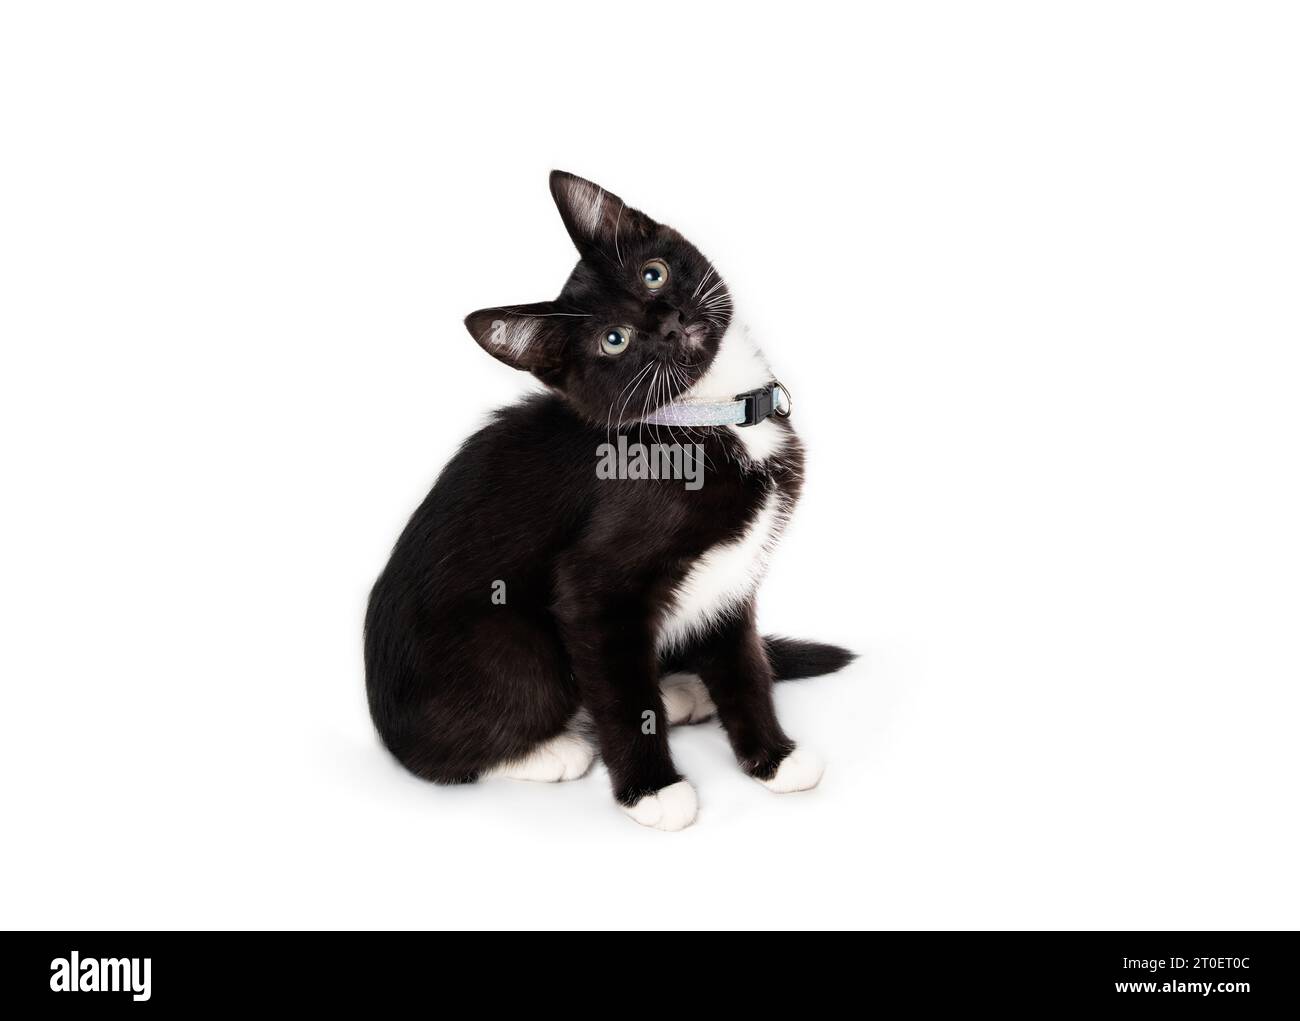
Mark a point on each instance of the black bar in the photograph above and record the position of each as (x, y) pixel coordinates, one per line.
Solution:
(1242, 971)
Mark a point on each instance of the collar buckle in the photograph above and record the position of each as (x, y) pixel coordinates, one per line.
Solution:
(764, 402)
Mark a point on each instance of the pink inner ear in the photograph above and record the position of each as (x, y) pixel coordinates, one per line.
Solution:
(512, 337)
(585, 202)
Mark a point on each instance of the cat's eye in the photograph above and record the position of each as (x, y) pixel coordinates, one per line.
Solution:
(616, 340)
(654, 274)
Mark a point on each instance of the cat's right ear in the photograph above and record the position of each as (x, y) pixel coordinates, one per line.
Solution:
(528, 337)
(596, 218)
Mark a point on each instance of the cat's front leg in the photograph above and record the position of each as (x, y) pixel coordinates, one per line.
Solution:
(736, 671)
(612, 653)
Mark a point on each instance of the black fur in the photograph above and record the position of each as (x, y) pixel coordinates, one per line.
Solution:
(793, 658)
(458, 683)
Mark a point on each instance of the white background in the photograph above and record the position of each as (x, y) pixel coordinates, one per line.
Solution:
(1029, 270)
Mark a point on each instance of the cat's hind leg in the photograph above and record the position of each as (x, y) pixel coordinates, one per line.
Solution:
(487, 694)
(686, 699)
(566, 756)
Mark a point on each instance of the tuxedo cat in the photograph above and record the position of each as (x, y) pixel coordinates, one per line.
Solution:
(528, 593)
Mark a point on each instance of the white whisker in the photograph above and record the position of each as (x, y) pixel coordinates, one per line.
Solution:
(609, 417)
(703, 280)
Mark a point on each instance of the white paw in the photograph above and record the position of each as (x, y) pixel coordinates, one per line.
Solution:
(801, 770)
(672, 808)
(686, 699)
(564, 757)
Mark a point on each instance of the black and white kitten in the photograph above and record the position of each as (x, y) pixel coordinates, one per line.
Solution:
(527, 588)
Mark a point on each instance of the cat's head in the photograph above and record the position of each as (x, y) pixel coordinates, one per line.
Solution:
(637, 323)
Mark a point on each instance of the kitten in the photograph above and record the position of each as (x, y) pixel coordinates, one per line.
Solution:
(527, 588)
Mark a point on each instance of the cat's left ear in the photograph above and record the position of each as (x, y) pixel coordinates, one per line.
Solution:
(596, 218)
(528, 337)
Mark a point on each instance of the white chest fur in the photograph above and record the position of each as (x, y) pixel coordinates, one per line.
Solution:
(723, 577)
(727, 574)
(739, 366)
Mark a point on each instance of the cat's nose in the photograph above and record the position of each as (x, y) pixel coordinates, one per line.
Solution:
(670, 327)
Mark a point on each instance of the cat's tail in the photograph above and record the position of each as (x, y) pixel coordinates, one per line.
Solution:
(792, 658)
